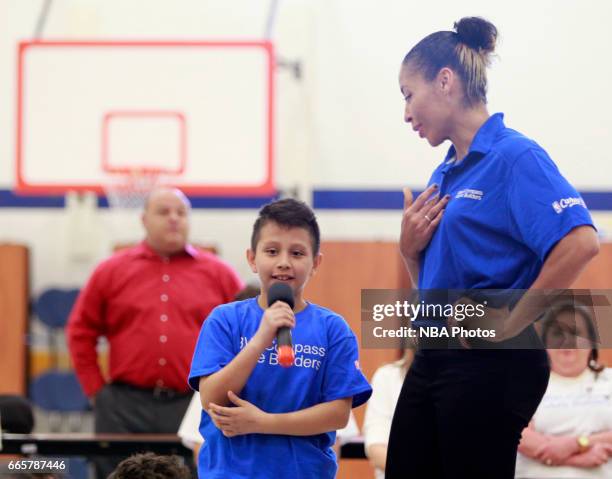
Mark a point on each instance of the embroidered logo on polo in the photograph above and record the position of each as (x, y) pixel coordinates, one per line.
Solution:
(470, 194)
(563, 203)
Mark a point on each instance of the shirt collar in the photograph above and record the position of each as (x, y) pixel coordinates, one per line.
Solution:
(484, 138)
(145, 250)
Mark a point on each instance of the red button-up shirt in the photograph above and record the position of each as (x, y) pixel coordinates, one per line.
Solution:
(150, 308)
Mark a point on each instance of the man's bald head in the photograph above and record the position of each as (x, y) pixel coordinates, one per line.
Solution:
(166, 220)
(165, 190)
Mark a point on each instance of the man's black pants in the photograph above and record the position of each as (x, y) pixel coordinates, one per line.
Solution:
(121, 408)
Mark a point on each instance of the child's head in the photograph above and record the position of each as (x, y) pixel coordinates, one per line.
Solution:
(151, 466)
(288, 213)
(285, 245)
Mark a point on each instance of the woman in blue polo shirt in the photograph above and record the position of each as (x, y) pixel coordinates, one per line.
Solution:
(497, 215)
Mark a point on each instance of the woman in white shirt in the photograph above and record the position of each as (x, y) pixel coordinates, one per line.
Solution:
(570, 435)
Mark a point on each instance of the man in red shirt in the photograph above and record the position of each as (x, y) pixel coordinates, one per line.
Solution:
(149, 301)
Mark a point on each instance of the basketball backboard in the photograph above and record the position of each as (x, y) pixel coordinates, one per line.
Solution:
(200, 112)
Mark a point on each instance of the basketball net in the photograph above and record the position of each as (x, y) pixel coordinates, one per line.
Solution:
(129, 190)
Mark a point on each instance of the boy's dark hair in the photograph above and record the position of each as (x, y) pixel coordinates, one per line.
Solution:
(32, 475)
(288, 213)
(16, 414)
(151, 466)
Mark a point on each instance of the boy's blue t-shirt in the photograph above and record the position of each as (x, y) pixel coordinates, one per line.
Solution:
(326, 368)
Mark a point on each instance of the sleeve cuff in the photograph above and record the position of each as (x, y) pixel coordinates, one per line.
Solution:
(561, 233)
(194, 377)
(93, 388)
(360, 396)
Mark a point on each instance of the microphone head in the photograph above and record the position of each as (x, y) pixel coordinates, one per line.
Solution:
(286, 356)
(280, 292)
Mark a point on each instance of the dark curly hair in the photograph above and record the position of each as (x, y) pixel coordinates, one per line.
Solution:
(151, 466)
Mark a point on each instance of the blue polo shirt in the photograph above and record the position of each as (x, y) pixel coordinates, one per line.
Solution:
(509, 206)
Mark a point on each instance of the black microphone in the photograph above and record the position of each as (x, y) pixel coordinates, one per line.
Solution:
(282, 292)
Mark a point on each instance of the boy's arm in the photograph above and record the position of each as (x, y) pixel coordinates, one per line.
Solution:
(246, 418)
(233, 377)
(320, 418)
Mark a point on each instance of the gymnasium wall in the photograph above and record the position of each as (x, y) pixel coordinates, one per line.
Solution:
(339, 138)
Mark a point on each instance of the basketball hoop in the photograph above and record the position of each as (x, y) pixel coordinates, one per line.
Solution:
(130, 189)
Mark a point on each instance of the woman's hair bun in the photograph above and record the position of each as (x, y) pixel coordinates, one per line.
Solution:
(477, 33)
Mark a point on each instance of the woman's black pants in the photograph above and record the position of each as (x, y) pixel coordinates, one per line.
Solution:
(460, 413)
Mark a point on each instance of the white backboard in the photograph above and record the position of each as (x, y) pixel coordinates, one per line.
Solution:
(202, 112)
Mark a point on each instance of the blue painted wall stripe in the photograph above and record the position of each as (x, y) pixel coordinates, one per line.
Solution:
(358, 199)
(8, 199)
(323, 199)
